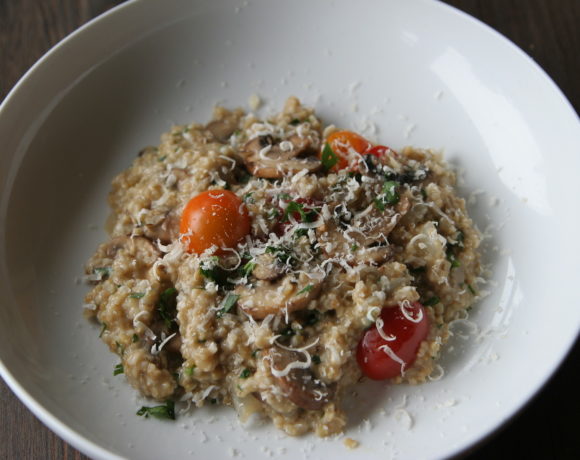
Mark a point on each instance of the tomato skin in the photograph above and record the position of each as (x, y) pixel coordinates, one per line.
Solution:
(214, 217)
(341, 142)
(374, 362)
(381, 151)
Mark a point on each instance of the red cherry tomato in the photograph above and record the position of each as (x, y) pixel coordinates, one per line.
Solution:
(215, 217)
(381, 151)
(381, 359)
(342, 144)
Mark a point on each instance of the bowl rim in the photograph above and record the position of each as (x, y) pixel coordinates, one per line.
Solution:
(69, 434)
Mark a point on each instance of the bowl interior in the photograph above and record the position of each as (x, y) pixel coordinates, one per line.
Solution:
(405, 73)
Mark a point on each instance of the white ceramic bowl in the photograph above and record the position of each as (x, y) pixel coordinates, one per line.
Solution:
(418, 71)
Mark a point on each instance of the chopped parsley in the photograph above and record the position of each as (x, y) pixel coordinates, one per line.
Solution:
(118, 369)
(284, 196)
(328, 157)
(470, 287)
(316, 359)
(389, 195)
(255, 353)
(454, 261)
(292, 207)
(137, 295)
(135, 338)
(227, 304)
(162, 158)
(307, 288)
(166, 411)
(245, 373)
(282, 253)
(212, 271)
(248, 198)
(103, 329)
(432, 301)
(295, 121)
(166, 305)
(248, 268)
(353, 248)
(189, 370)
(105, 272)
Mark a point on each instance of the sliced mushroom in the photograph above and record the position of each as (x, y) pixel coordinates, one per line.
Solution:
(280, 297)
(223, 128)
(166, 231)
(264, 157)
(364, 239)
(300, 385)
(268, 267)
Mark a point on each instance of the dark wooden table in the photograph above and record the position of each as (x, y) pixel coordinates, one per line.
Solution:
(548, 30)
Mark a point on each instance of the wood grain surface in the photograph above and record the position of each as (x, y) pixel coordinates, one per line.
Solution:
(548, 30)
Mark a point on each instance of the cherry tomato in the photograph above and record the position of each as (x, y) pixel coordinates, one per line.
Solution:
(342, 142)
(380, 359)
(215, 217)
(380, 151)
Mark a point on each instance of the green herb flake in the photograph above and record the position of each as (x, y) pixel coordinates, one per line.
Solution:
(255, 353)
(227, 304)
(307, 288)
(167, 304)
(162, 158)
(118, 369)
(166, 411)
(216, 274)
(293, 207)
(316, 359)
(105, 272)
(245, 373)
(328, 157)
(424, 194)
(354, 248)
(103, 329)
(295, 122)
(284, 196)
(189, 370)
(379, 204)
(213, 401)
(135, 338)
(248, 268)
(432, 301)
(137, 295)
(473, 291)
(282, 253)
(248, 198)
(390, 192)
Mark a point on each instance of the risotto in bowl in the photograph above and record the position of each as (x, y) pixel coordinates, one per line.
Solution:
(270, 265)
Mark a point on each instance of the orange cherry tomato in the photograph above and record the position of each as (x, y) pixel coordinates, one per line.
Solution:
(343, 143)
(214, 218)
(381, 359)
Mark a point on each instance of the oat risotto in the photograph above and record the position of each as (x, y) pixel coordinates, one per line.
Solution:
(269, 265)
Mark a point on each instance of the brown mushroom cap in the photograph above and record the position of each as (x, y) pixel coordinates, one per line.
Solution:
(266, 158)
(222, 129)
(274, 298)
(300, 385)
